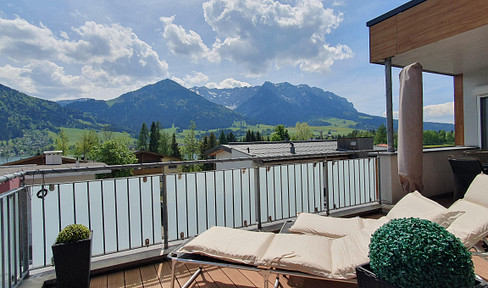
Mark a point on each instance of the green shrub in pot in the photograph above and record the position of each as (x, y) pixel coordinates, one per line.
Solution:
(73, 233)
(72, 257)
(412, 252)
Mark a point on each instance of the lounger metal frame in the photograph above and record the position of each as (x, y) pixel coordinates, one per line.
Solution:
(265, 272)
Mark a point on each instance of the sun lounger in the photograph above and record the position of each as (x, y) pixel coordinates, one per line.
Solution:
(341, 243)
(269, 254)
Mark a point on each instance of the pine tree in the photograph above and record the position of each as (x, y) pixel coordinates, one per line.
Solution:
(143, 138)
(212, 141)
(154, 138)
(231, 137)
(222, 138)
(175, 150)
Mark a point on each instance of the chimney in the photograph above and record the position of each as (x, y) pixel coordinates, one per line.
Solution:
(53, 157)
(292, 148)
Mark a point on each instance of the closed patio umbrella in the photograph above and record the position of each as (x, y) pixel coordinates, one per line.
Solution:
(410, 128)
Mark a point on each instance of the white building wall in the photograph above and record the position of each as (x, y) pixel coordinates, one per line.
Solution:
(437, 174)
(471, 82)
(232, 165)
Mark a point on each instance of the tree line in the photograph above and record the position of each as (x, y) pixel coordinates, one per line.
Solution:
(430, 137)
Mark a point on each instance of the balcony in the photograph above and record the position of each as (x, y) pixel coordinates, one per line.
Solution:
(136, 220)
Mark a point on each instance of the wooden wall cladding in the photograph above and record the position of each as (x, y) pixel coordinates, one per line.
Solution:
(425, 23)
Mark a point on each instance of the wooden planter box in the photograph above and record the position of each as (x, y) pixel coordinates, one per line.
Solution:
(367, 279)
(72, 263)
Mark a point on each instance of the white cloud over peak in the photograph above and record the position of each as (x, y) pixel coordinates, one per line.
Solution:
(227, 83)
(262, 35)
(265, 33)
(181, 42)
(90, 56)
(191, 80)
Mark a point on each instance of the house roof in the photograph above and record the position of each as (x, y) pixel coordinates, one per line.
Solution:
(39, 160)
(4, 170)
(279, 149)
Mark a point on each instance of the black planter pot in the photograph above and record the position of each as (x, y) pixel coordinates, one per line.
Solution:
(368, 279)
(72, 263)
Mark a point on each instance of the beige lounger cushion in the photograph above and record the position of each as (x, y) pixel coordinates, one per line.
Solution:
(229, 244)
(471, 226)
(478, 190)
(415, 205)
(333, 227)
(309, 254)
(349, 252)
(374, 224)
(335, 258)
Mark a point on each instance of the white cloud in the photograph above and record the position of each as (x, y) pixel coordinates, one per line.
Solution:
(97, 56)
(443, 113)
(439, 113)
(181, 42)
(265, 33)
(227, 83)
(192, 80)
(21, 41)
(17, 77)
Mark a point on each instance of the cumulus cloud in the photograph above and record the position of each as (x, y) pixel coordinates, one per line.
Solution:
(191, 80)
(17, 77)
(435, 113)
(227, 83)
(439, 113)
(265, 33)
(108, 56)
(181, 42)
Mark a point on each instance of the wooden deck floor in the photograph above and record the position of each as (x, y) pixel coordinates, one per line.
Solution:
(159, 275)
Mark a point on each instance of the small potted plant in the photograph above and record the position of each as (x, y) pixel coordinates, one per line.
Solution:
(72, 256)
(412, 252)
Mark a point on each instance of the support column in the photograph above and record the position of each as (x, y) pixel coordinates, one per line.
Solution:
(458, 110)
(389, 106)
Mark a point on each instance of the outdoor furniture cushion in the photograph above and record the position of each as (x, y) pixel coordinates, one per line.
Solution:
(478, 190)
(310, 254)
(472, 225)
(333, 227)
(235, 245)
(416, 205)
(349, 252)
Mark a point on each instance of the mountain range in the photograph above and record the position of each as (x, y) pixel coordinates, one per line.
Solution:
(172, 104)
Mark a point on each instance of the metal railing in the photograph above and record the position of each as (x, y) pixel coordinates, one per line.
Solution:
(14, 242)
(138, 211)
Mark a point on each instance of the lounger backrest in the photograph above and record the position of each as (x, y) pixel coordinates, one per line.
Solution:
(472, 226)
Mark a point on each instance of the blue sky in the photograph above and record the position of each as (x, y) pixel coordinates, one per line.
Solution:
(65, 49)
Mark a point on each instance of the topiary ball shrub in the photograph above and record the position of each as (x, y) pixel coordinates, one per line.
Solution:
(412, 252)
(73, 233)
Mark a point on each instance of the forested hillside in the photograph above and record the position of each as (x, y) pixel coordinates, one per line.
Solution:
(20, 112)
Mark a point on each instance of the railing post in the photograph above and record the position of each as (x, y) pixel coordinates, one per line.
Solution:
(164, 208)
(378, 177)
(389, 105)
(326, 187)
(257, 190)
(24, 230)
